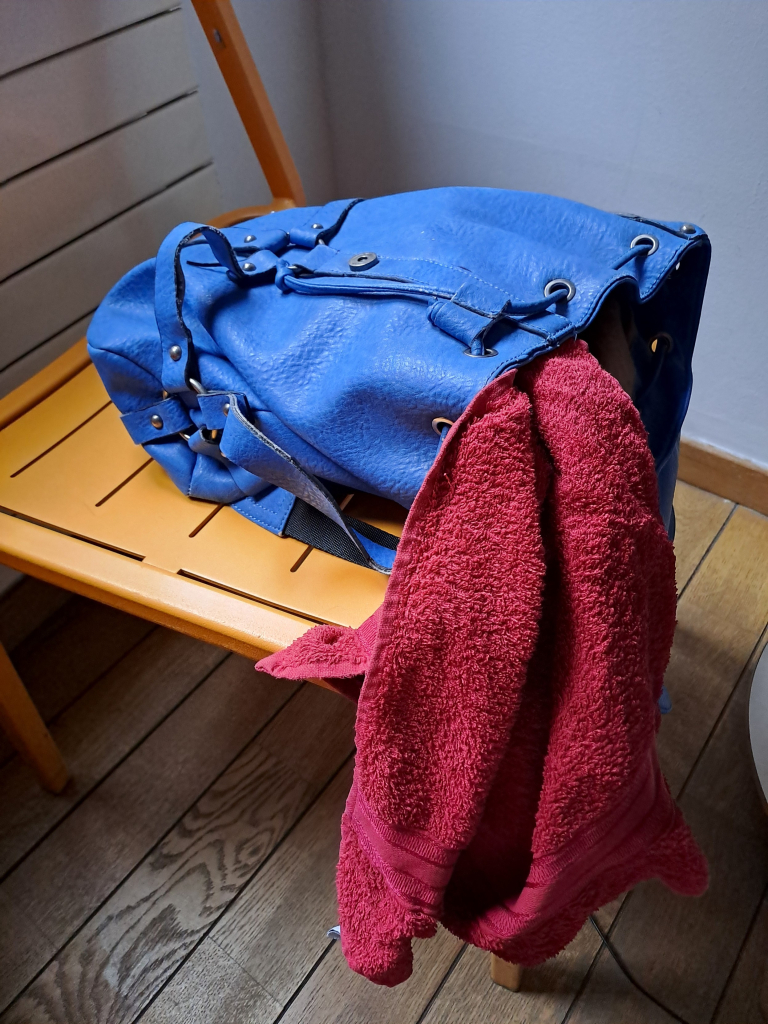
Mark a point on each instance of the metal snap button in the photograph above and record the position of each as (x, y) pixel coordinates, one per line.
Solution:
(363, 261)
(156, 421)
(316, 227)
(225, 408)
(248, 266)
(250, 238)
(688, 229)
(175, 353)
(557, 285)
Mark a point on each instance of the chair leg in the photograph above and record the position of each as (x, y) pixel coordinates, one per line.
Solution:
(26, 729)
(505, 974)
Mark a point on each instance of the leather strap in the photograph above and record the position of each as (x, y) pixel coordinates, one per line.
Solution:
(243, 444)
(323, 224)
(249, 484)
(467, 305)
(181, 329)
(176, 333)
(171, 416)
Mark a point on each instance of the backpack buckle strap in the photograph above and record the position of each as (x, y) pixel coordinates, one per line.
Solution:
(215, 405)
(458, 321)
(163, 419)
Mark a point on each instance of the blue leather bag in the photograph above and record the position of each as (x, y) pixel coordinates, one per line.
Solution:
(281, 363)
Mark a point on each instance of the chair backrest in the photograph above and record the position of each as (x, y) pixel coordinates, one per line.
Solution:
(226, 39)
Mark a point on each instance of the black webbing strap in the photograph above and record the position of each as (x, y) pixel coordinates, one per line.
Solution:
(309, 525)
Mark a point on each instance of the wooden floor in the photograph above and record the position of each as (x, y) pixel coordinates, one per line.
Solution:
(186, 873)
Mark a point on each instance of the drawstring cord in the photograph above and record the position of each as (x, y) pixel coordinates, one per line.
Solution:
(641, 249)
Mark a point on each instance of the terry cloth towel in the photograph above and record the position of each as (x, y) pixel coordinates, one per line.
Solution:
(507, 781)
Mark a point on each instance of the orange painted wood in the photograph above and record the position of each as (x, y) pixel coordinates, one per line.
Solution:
(208, 613)
(44, 383)
(226, 220)
(26, 729)
(507, 975)
(69, 465)
(85, 509)
(226, 39)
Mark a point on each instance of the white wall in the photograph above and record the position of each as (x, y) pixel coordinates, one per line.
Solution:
(646, 106)
(656, 107)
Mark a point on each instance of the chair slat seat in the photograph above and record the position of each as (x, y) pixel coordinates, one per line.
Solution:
(68, 466)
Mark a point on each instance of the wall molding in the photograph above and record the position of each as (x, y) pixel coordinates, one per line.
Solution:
(721, 473)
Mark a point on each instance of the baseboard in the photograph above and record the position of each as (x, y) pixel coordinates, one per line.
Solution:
(717, 471)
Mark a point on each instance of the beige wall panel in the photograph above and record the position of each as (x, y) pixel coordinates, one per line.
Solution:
(35, 360)
(33, 29)
(71, 282)
(51, 107)
(47, 207)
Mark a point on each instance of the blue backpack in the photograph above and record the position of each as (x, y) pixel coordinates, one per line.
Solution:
(279, 364)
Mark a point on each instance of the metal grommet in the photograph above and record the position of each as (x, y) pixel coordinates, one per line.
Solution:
(688, 229)
(660, 339)
(645, 240)
(557, 284)
(317, 227)
(439, 422)
(250, 238)
(248, 266)
(156, 421)
(480, 355)
(175, 353)
(225, 408)
(363, 261)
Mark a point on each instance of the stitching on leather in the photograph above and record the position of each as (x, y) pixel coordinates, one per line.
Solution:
(251, 428)
(545, 346)
(266, 512)
(420, 259)
(663, 272)
(269, 444)
(446, 266)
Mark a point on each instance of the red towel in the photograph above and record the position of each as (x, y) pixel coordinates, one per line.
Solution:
(507, 782)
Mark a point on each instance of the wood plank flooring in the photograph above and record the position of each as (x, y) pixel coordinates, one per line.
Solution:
(186, 873)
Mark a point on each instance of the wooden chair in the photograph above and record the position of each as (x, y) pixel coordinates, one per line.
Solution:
(83, 508)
